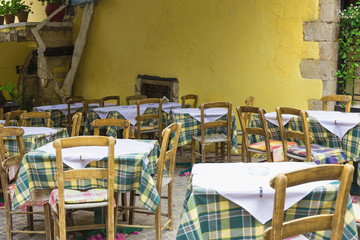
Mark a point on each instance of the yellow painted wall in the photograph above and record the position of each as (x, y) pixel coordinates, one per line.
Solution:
(220, 50)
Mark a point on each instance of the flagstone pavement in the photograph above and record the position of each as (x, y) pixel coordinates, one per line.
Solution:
(180, 186)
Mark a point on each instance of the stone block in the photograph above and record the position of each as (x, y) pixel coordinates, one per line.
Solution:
(329, 87)
(320, 31)
(318, 69)
(314, 104)
(328, 11)
(328, 50)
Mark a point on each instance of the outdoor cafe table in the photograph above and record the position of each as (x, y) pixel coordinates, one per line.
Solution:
(349, 143)
(128, 112)
(209, 214)
(133, 172)
(59, 113)
(190, 119)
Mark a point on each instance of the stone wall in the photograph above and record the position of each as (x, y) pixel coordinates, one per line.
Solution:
(324, 31)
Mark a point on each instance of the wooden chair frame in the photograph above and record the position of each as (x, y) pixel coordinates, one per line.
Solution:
(243, 112)
(74, 98)
(60, 227)
(333, 222)
(165, 156)
(70, 115)
(86, 104)
(125, 124)
(13, 115)
(338, 98)
(218, 123)
(109, 98)
(76, 124)
(189, 97)
(134, 98)
(154, 116)
(6, 163)
(1, 113)
(286, 134)
(30, 115)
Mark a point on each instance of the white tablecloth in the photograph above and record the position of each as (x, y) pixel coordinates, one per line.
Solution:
(337, 123)
(241, 183)
(64, 107)
(49, 132)
(130, 111)
(80, 157)
(211, 114)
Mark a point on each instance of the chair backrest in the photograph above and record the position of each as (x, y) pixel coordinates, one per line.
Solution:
(218, 123)
(86, 104)
(6, 163)
(1, 113)
(85, 173)
(189, 97)
(13, 115)
(250, 101)
(167, 155)
(27, 116)
(76, 124)
(242, 112)
(331, 221)
(157, 117)
(303, 136)
(134, 98)
(69, 102)
(111, 98)
(339, 98)
(125, 124)
(74, 98)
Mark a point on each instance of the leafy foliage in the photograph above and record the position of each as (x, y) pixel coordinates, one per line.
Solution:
(51, 1)
(349, 47)
(25, 102)
(13, 7)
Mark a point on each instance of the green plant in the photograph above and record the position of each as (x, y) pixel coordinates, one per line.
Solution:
(51, 1)
(8, 8)
(25, 102)
(349, 47)
(20, 6)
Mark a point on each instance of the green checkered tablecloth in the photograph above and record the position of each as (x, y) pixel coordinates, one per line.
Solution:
(13, 123)
(112, 131)
(56, 119)
(38, 169)
(191, 127)
(32, 141)
(208, 215)
(350, 143)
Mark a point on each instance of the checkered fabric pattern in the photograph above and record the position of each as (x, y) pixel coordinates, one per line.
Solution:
(191, 127)
(38, 169)
(350, 143)
(321, 155)
(38, 198)
(56, 119)
(208, 215)
(112, 131)
(75, 196)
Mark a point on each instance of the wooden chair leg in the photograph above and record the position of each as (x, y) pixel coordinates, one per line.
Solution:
(203, 160)
(47, 216)
(228, 152)
(222, 146)
(8, 222)
(132, 204)
(192, 152)
(158, 222)
(181, 151)
(116, 213)
(30, 220)
(170, 207)
(124, 203)
(217, 149)
(56, 226)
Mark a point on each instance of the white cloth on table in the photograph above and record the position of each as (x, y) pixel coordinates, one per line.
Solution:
(338, 123)
(64, 107)
(49, 132)
(80, 157)
(241, 184)
(211, 114)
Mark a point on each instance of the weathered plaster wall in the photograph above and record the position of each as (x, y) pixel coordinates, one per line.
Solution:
(220, 50)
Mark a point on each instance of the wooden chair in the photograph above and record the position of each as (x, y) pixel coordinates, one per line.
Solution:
(218, 138)
(330, 221)
(142, 128)
(189, 97)
(308, 150)
(6, 164)
(125, 124)
(1, 113)
(62, 202)
(70, 114)
(73, 98)
(27, 116)
(76, 124)
(161, 182)
(243, 112)
(86, 104)
(338, 98)
(110, 98)
(134, 98)
(13, 115)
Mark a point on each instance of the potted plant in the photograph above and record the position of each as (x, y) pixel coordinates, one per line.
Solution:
(22, 10)
(1, 14)
(51, 6)
(8, 11)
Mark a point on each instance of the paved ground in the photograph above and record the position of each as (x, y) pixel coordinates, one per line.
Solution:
(180, 186)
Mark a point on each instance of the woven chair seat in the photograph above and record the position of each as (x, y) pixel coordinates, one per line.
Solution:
(332, 155)
(80, 199)
(212, 138)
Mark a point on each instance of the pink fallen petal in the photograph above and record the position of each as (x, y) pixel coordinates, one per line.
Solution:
(135, 233)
